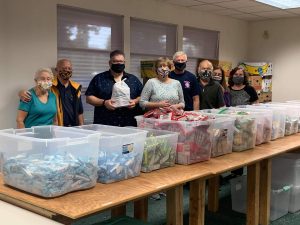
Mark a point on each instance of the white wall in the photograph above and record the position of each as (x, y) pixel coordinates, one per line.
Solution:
(31, 39)
(283, 49)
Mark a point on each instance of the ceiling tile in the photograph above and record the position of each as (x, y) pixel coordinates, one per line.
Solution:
(275, 14)
(248, 17)
(259, 8)
(184, 2)
(227, 12)
(237, 4)
(296, 11)
(207, 7)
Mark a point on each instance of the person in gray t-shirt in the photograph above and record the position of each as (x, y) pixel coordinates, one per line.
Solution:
(241, 92)
(162, 91)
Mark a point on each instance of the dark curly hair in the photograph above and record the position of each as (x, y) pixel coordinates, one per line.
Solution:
(232, 72)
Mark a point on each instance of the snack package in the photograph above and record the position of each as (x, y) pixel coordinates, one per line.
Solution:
(120, 94)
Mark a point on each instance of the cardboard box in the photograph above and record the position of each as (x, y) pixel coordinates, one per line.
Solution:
(256, 82)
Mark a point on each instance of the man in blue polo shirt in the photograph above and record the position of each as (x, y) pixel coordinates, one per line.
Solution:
(100, 89)
(188, 81)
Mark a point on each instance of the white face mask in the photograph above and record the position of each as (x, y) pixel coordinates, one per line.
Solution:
(216, 78)
(45, 85)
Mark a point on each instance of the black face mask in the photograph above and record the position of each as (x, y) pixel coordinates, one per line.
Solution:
(180, 66)
(238, 80)
(117, 68)
(205, 75)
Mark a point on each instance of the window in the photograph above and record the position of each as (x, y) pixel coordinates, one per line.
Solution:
(200, 43)
(86, 38)
(150, 40)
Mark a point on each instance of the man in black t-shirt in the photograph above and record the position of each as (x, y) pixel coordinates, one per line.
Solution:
(188, 81)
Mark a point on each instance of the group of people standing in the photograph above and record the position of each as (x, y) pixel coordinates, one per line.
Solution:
(56, 99)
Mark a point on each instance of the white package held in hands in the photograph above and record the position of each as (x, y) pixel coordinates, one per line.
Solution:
(120, 94)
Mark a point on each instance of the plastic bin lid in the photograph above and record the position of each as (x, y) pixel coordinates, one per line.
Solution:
(282, 189)
(158, 132)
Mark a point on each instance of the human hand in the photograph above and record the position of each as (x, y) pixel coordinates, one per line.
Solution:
(109, 104)
(131, 104)
(25, 96)
(163, 104)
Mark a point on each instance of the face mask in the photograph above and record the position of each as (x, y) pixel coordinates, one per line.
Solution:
(118, 68)
(180, 66)
(45, 85)
(163, 73)
(205, 75)
(238, 80)
(65, 75)
(217, 78)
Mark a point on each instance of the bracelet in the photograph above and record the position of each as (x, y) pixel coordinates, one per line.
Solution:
(104, 102)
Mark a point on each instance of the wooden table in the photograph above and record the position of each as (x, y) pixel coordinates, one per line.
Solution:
(258, 162)
(73, 206)
(76, 205)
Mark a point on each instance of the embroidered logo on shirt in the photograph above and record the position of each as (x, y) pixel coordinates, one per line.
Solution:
(187, 84)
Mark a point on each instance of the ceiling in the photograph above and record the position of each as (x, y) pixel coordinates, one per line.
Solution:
(248, 10)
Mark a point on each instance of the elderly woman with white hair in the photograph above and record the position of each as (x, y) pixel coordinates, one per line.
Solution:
(41, 110)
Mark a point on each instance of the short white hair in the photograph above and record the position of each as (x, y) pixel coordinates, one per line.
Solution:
(205, 61)
(179, 53)
(42, 70)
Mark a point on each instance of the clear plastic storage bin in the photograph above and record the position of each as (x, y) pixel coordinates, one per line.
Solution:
(264, 124)
(194, 140)
(294, 106)
(160, 149)
(120, 152)
(239, 194)
(294, 204)
(222, 134)
(280, 197)
(286, 169)
(49, 161)
(278, 121)
(292, 117)
(244, 136)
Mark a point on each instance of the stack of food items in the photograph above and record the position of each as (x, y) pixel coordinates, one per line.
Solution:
(278, 118)
(245, 127)
(160, 150)
(120, 152)
(194, 129)
(48, 161)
